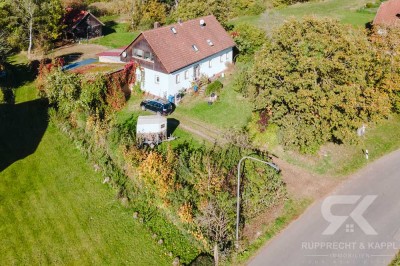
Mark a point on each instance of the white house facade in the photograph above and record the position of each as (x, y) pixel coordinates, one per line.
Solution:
(171, 58)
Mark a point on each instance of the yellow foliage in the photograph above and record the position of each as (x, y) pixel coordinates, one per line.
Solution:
(185, 213)
(157, 172)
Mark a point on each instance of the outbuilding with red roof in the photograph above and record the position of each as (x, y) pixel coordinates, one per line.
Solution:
(81, 24)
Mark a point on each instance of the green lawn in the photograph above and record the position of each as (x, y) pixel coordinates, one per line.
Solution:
(345, 11)
(231, 110)
(116, 34)
(341, 160)
(54, 208)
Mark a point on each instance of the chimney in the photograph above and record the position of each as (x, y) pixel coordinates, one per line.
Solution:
(156, 24)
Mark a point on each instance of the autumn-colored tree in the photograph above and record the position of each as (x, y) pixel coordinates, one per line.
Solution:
(188, 9)
(158, 173)
(386, 40)
(248, 39)
(319, 80)
(146, 12)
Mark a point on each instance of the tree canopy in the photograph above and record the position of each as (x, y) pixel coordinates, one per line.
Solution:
(31, 22)
(319, 81)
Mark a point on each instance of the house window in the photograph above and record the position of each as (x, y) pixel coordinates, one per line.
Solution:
(221, 58)
(148, 56)
(227, 56)
(178, 79)
(186, 74)
(210, 63)
(157, 79)
(138, 53)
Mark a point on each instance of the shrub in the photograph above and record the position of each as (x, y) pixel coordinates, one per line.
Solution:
(247, 7)
(263, 136)
(215, 87)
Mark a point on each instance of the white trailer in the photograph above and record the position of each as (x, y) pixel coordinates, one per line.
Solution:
(151, 130)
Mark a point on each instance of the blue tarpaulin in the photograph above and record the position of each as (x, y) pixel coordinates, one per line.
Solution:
(80, 64)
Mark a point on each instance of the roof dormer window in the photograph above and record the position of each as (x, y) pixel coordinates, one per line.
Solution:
(194, 47)
(210, 43)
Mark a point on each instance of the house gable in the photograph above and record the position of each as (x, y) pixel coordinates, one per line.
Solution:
(145, 55)
(82, 24)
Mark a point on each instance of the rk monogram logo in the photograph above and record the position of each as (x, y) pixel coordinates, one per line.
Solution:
(356, 215)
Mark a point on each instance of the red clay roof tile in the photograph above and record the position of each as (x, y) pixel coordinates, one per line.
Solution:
(388, 13)
(175, 50)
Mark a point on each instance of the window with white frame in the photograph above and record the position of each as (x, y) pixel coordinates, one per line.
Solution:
(221, 58)
(186, 74)
(157, 79)
(227, 56)
(210, 63)
(178, 79)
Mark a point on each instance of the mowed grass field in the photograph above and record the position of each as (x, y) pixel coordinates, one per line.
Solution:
(115, 34)
(231, 110)
(345, 11)
(54, 208)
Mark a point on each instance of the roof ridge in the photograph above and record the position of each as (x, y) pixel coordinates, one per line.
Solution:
(178, 24)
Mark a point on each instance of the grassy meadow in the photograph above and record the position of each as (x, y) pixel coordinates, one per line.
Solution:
(54, 208)
(231, 110)
(116, 35)
(345, 11)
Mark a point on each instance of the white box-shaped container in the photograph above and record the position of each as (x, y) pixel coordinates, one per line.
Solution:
(151, 129)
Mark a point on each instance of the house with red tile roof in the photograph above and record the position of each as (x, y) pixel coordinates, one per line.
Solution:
(388, 14)
(173, 56)
(81, 24)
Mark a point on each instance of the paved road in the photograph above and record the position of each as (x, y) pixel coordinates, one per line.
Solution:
(303, 242)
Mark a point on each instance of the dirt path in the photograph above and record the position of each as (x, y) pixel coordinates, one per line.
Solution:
(201, 129)
(77, 52)
(300, 183)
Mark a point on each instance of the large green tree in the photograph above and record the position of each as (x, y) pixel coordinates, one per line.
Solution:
(146, 12)
(5, 48)
(31, 21)
(319, 81)
(248, 39)
(188, 9)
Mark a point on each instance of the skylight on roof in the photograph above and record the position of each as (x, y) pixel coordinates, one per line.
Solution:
(194, 47)
(173, 30)
(210, 43)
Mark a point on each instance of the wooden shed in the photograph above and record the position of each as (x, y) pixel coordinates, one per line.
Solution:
(82, 24)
